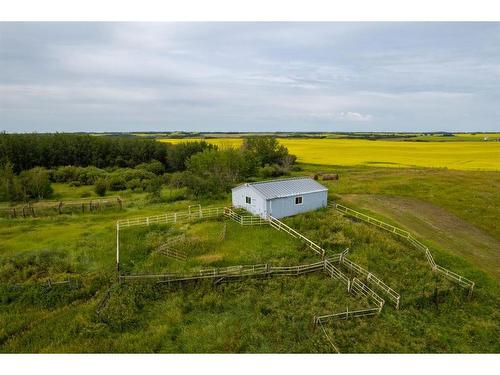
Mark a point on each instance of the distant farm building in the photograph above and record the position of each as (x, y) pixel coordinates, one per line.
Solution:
(280, 198)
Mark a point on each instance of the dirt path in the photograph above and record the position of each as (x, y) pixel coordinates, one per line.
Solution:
(436, 224)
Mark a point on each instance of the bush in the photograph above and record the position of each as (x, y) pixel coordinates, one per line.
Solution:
(72, 174)
(129, 174)
(154, 190)
(135, 184)
(176, 180)
(116, 183)
(153, 166)
(273, 170)
(100, 187)
(35, 183)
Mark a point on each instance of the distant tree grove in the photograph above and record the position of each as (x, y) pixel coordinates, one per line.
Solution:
(30, 162)
(26, 151)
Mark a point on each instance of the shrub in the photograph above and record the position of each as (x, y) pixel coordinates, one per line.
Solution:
(153, 166)
(273, 170)
(100, 187)
(70, 173)
(135, 184)
(154, 190)
(35, 183)
(129, 174)
(116, 183)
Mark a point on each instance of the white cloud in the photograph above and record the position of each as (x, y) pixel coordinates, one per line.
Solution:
(259, 76)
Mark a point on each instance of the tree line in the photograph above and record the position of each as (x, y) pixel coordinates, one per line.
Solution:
(26, 151)
(30, 162)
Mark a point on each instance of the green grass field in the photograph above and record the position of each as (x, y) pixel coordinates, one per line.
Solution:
(261, 315)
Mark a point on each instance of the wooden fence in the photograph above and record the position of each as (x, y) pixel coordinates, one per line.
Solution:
(47, 208)
(452, 276)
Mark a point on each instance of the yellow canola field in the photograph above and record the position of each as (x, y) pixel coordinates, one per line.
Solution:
(452, 155)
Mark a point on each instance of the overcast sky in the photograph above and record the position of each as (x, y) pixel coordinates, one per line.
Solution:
(249, 76)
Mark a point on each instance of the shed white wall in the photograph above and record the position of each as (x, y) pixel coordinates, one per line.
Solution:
(282, 207)
(278, 207)
(258, 205)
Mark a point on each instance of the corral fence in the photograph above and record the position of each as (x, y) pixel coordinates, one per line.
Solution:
(244, 219)
(232, 272)
(192, 214)
(452, 276)
(168, 248)
(344, 315)
(172, 218)
(47, 208)
(357, 288)
(70, 283)
(372, 279)
(279, 225)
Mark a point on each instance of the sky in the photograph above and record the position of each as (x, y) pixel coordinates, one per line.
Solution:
(103, 77)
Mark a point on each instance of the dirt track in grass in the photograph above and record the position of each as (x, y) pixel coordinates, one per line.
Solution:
(435, 225)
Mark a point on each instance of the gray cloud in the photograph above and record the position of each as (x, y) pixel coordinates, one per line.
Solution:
(249, 76)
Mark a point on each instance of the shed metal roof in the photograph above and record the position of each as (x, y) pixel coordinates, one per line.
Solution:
(285, 187)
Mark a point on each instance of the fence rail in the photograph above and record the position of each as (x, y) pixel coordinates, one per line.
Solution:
(176, 217)
(452, 276)
(168, 250)
(336, 273)
(277, 224)
(344, 315)
(394, 297)
(47, 208)
(230, 272)
(359, 288)
(244, 219)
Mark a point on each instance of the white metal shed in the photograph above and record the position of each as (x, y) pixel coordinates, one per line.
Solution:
(280, 198)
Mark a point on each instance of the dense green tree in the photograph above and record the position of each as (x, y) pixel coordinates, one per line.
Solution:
(179, 154)
(153, 166)
(267, 150)
(26, 151)
(212, 172)
(10, 186)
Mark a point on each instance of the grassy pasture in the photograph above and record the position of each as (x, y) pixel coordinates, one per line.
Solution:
(353, 152)
(260, 315)
(257, 316)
